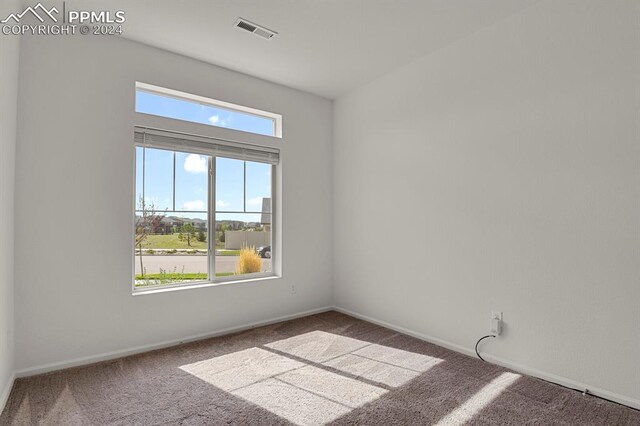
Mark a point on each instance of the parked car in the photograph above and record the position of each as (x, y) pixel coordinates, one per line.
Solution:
(265, 252)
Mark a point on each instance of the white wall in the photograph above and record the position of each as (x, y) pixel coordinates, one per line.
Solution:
(75, 198)
(9, 59)
(502, 172)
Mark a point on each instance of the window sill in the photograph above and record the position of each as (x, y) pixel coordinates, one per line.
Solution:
(201, 284)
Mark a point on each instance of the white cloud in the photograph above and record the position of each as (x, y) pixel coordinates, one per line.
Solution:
(194, 205)
(221, 203)
(217, 121)
(195, 163)
(256, 201)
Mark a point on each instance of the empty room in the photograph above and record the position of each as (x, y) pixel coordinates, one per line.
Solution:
(320, 212)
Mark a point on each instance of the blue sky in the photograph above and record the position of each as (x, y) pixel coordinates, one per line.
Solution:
(164, 106)
(191, 183)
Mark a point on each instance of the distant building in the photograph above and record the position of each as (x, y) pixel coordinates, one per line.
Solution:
(265, 217)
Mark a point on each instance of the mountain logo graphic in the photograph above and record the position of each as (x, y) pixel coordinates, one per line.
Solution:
(34, 11)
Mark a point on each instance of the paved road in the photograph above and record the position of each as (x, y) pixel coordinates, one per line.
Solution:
(153, 264)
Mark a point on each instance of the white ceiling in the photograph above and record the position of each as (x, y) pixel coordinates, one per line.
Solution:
(326, 47)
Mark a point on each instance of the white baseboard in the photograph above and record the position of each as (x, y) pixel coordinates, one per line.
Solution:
(563, 381)
(146, 348)
(4, 396)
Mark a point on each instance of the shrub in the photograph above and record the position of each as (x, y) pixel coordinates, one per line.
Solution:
(202, 237)
(150, 251)
(172, 251)
(248, 262)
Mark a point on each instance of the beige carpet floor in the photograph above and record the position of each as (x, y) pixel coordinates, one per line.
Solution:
(322, 369)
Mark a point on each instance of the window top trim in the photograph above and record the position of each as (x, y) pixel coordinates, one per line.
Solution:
(189, 97)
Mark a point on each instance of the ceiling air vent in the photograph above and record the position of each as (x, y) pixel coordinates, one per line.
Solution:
(255, 29)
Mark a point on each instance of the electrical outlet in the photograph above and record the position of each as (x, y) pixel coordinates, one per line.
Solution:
(293, 289)
(495, 326)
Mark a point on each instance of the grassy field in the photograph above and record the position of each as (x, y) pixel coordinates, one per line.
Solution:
(172, 278)
(171, 242)
(177, 276)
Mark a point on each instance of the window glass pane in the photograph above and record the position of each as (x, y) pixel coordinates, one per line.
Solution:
(258, 196)
(171, 246)
(243, 244)
(183, 109)
(176, 252)
(229, 185)
(192, 177)
(158, 179)
(139, 175)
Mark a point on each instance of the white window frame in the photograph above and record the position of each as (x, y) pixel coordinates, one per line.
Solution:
(189, 97)
(198, 144)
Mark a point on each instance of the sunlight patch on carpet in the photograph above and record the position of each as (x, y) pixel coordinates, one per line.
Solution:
(238, 369)
(479, 400)
(309, 379)
(317, 346)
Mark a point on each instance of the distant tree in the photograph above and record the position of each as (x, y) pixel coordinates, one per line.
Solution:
(148, 221)
(202, 237)
(187, 233)
(155, 222)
